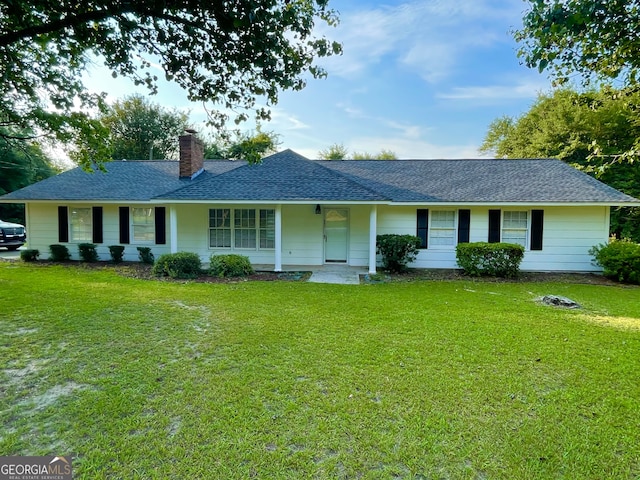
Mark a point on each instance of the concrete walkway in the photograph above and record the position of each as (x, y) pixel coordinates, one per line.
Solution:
(341, 274)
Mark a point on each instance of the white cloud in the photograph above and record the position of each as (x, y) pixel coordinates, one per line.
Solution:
(412, 148)
(491, 93)
(427, 37)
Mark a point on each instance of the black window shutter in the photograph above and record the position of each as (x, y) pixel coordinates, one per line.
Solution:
(422, 230)
(124, 224)
(63, 224)
(161, 234)
(96, 221)
(494, 226)
(537, 222)
(464, 225)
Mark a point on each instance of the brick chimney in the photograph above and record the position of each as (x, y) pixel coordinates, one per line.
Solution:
(191, 155)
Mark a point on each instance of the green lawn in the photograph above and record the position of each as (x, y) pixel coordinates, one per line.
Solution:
(412, 380)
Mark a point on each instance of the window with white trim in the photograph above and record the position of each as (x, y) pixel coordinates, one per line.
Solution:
(443, 228)
(252, 228)
(514, 227)
(267, 228)
(143, 224)
(220, 228)
(244, 228)
(80, 225)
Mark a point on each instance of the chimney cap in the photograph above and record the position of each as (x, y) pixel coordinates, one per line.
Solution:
(191, 131)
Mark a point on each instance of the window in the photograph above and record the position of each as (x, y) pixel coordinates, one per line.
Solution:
(443, 228)
(514, 227)
(251, 228)
(143, 224)
(244, 228)
(267, 229)
(220, 228)
(80, 227)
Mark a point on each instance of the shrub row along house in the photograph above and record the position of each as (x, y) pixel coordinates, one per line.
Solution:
(289, 210)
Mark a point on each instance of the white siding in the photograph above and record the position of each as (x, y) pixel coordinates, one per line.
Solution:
(43, 231)
(569, 233)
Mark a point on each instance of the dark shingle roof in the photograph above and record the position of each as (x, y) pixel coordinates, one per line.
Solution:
(124, 180)
(478, 181)
(283, 176)
(287, 176)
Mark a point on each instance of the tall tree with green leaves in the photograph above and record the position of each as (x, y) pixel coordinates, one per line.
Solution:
(235, 55)
(20, 166)
(338, 151)
(596, 40)
(250, 146)
(335, 151)
(142, 130)
(564, 125)
(381, 155)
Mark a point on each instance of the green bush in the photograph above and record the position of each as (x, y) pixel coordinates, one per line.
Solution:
(145, 255)
(29, 255)
(117, 252)
(87, 252)
(230, 266)
(59, 253)
(492, 259)
(619, 260)
(178, 265)
(397, 251)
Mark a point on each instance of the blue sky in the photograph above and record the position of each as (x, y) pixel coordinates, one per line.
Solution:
(421, 78)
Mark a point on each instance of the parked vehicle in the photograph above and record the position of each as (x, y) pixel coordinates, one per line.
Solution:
(12, 235)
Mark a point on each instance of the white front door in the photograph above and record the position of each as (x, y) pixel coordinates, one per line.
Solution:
(336, 235)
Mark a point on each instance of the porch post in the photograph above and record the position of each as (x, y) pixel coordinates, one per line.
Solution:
(173, 229)
(373, 230)
(278, 241)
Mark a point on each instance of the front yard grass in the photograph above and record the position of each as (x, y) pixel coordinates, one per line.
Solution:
(428, 379)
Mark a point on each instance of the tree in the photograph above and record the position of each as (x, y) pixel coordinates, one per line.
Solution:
(245, 146)
(589, 37)
(231, 54)
(140, 129)
(564, 125)
(595, 39)
(20, 166)
(382, 155)
(336, 151)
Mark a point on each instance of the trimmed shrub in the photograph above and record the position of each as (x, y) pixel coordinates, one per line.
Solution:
(492, 259)
(230, 266)
(116, 252)
(87, 252)
(145, 255)
(619, 260)
(178, 265)
(397, 251)
(59, 253)
(29, 255)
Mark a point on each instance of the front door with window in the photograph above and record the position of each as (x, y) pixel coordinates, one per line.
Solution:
(336, 235)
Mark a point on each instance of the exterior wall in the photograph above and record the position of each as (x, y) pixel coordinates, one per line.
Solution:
(193, 233)
(42, 231)
(568, 234)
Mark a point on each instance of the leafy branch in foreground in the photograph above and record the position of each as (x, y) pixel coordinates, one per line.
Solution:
(230, 54)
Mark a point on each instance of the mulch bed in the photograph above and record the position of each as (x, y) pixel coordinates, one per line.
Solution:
(524, 277)
(143, 271)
